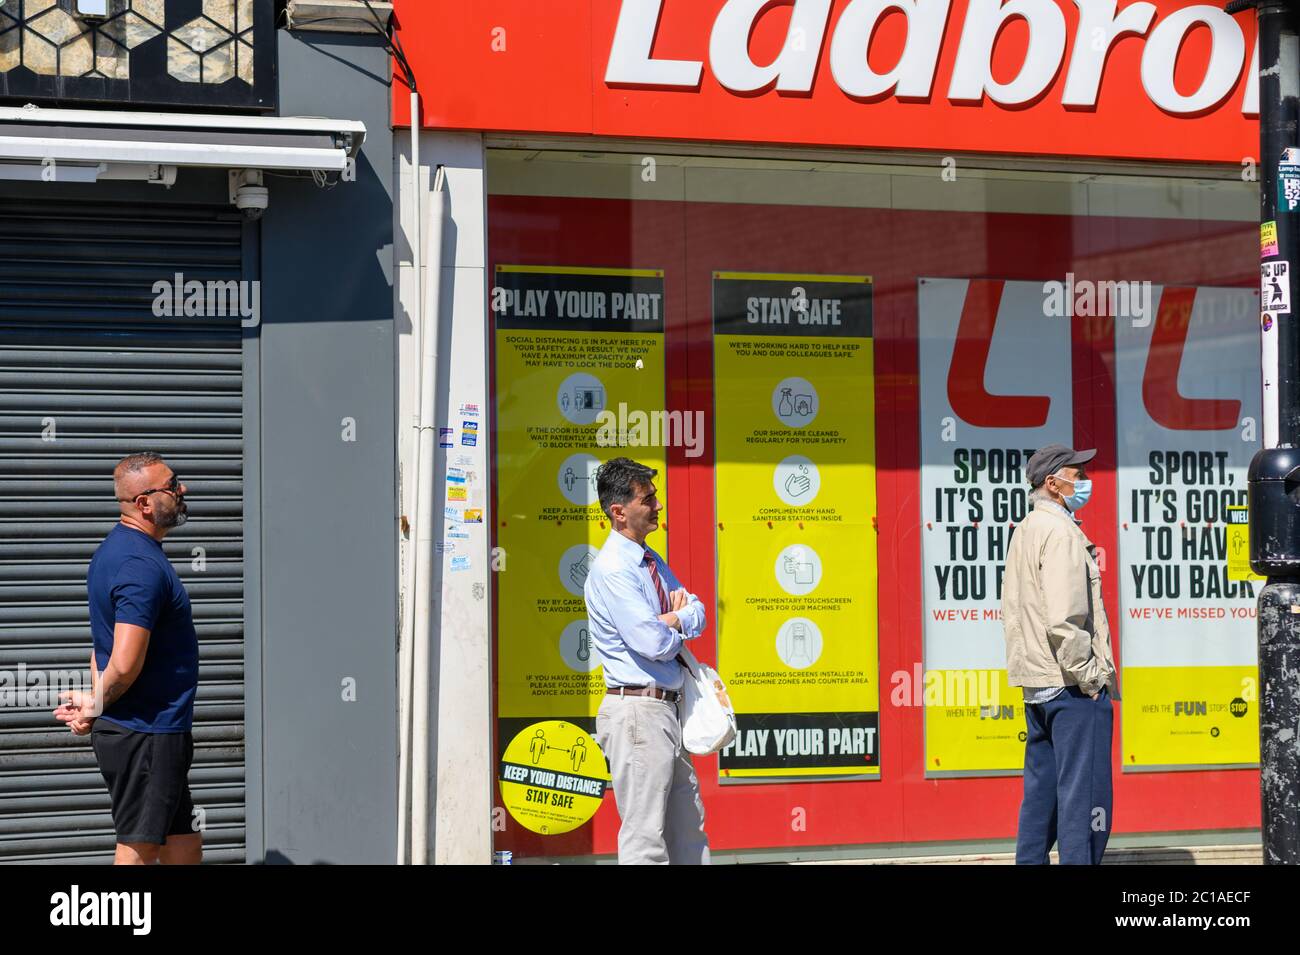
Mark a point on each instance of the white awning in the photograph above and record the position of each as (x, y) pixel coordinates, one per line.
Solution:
(132, 143)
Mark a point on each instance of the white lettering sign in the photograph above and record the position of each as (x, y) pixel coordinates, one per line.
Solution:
(1101, 26)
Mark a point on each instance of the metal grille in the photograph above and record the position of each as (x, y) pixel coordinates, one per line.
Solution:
(88, 374)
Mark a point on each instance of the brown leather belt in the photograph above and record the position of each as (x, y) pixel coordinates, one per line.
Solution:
(669, 696)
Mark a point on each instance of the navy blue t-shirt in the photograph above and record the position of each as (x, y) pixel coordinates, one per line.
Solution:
(130, 580)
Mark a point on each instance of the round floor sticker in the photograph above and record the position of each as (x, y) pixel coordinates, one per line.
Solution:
(553, 777)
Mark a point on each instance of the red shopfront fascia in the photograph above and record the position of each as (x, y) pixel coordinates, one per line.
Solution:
(550, 80)
(1168, 80)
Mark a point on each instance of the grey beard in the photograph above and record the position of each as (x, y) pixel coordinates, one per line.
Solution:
(173, 518)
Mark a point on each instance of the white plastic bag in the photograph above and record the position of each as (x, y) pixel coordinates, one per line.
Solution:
(708, 720)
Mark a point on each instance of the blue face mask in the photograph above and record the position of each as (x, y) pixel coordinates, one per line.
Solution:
(1082, 491)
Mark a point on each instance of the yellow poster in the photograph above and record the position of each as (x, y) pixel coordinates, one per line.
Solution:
(796, 496)
(1203, 716)
(974, 723)
(995, 384)
(579, 361)
(1187, 623)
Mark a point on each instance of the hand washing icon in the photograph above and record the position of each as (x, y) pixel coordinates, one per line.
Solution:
(798, 483)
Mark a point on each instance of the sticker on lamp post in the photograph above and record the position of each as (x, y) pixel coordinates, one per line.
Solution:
(553, 777)
(1275, 287)
(1237, 544)
(1288, 181)
(1268, 239)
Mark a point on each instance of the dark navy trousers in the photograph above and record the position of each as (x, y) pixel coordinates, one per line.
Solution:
(1068, 795)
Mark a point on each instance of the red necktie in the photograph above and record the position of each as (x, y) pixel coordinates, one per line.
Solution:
(649, 560)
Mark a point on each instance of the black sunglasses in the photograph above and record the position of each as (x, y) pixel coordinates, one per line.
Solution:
(172, 487)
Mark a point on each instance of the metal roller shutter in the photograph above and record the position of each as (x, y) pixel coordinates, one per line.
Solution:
(88, 374)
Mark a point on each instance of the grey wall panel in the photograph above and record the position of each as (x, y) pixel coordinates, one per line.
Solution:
(328, 589)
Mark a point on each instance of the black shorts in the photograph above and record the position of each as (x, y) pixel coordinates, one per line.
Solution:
(148, 781)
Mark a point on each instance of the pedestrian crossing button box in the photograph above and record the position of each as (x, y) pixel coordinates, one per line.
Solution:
(1274, 482)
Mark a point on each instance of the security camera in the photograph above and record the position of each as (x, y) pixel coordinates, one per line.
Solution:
(252, 201)
(247, 193)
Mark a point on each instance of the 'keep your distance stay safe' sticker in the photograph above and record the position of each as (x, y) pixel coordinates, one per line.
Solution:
(553, 776)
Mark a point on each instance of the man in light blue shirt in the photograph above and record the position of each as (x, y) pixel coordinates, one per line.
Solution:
(639, 614)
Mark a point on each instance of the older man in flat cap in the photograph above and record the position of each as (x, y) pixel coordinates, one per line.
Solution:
(1058, 651)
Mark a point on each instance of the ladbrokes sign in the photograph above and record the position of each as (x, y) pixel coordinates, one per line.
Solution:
(1171, 80)
(1100, 24)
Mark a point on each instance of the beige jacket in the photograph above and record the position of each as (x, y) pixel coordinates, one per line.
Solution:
(1052, 613)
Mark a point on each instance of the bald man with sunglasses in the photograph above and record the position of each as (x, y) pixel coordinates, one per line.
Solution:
(145, 671)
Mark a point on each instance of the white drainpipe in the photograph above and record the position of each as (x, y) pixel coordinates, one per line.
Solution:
(428, 524)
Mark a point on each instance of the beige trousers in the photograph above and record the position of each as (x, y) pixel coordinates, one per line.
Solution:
(655, 788)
